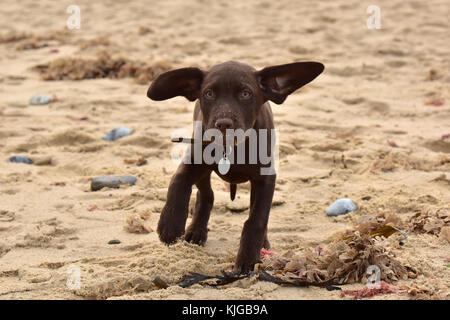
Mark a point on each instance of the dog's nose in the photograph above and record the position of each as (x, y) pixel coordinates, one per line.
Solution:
(224, 124)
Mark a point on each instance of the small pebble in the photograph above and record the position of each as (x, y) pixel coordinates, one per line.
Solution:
(332, 288)
(340, 207)
(117, 133)
(366, 198)
(42, 160)
(111, 182)
(20, 159)
(40, 99)
(392, 143)
(160, 283)
(115, 241)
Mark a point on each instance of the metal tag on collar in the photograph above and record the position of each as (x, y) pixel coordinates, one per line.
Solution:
(224, 164)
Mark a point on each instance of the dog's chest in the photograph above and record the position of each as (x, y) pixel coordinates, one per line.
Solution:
(238, 173)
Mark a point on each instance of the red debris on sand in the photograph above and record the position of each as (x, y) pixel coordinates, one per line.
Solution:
(434, 102)
(392, 144)
(266, 252)
(93, 207)
(83, 118)
(367, 292)
(54, 50)
(445, 136)
(319, 250)
(55, 99)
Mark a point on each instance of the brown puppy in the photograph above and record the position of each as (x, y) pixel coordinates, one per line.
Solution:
(230, 96)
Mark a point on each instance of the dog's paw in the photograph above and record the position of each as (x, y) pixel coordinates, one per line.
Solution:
(245, 265)
(196, 236)
(168, 234)
(266, 244)
(243, 268)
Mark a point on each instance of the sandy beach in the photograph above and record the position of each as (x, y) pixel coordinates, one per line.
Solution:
(374, 127)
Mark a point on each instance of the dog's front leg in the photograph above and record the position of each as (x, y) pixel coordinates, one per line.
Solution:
(255, 228)
(175, 212)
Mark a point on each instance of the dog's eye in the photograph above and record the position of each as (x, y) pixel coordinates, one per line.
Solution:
(209, 94)
(245, 94)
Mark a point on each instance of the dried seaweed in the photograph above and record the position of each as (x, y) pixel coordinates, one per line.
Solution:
(427, 289)
(392, 160)
(29, 41)
(194, 278)
(370, 223)
(228, 277)
(104, 66)
(347, 258)
(13, 37)
(329, 284)
(429, 222)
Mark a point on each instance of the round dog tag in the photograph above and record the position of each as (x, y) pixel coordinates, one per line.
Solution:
(224, 166)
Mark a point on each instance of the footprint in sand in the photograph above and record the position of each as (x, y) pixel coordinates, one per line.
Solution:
(7, 216)
(391, 52)
(377, 106)
(240, 41)
(330, 146)
(70, 137)
(298, 50)
(353, 101)
(147, 142)
(396, 63)
(45, 234)
(438, 146)
(4, 249)
(286, 149)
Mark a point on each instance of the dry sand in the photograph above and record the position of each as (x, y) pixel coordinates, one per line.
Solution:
(363, 128)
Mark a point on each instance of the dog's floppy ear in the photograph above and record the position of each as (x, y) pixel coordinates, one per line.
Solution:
(184, 82)
(278, 82)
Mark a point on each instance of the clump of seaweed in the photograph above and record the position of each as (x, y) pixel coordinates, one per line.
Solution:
(348, 256)
(343, 261)
(430, 222)
(427, 289)
(390, 161)
(27, 41)
(104, 66)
